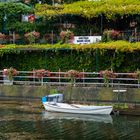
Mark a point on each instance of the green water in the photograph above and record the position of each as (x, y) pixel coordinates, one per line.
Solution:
(27, 120)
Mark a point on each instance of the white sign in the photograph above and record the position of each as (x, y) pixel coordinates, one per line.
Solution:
(25, 18)
(86, 39)
(28, 18)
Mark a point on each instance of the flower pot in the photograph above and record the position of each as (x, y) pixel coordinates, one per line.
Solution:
(6, 81)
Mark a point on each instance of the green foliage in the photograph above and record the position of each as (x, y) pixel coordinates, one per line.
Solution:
(12, 8)
(53, 91)
(120, 56)
(90, 9)
(117, 46)
(12, 12)
(21, 27)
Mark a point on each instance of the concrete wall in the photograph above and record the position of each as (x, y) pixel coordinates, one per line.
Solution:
(75, 93)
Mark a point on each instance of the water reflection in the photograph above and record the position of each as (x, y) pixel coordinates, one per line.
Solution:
(66, 116)
(28, 121)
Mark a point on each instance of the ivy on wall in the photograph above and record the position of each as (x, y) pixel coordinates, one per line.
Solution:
(121, 56)
(66, 59)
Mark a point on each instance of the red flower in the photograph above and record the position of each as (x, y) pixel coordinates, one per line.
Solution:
(36, 34)
(41, 73)
(107, 74)
(74, 74)
(115, 33)
(81, 75)
(47, 73)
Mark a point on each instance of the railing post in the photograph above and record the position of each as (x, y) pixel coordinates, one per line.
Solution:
(59, 77)
(34, 76)
(83, 77)
(42, 80)
(97, 60)
(112, 82)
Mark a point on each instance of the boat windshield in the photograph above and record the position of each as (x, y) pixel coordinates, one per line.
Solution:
(55, 98)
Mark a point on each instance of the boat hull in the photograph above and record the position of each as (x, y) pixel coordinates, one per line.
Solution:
(77, 109)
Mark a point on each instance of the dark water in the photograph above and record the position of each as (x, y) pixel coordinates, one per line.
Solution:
(20, 120)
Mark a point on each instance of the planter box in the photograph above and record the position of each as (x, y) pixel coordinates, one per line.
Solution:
(6, 81)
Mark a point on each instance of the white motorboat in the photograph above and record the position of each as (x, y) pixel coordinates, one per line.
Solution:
(53, 103)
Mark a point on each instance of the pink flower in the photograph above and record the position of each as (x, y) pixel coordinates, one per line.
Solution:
(41, 73)
(2, 36)
(10, 73)
(66, 35)
(115, 33)
(33, 33)
(107, 74)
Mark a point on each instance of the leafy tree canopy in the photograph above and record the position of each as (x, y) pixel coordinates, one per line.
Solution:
(10, 14)
(14, 8)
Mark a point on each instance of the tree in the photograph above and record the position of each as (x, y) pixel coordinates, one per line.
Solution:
(10, 13)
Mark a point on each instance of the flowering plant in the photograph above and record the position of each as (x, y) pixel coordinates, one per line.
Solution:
(109, 35)
(66, 36)
(41, 73)
(73, 75)
(106, 74)
(115, 34)
(136, 74)
(32, 36)
(2, 36)
(10, 73)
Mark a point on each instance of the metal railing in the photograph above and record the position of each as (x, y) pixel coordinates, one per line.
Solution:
(60, 79)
